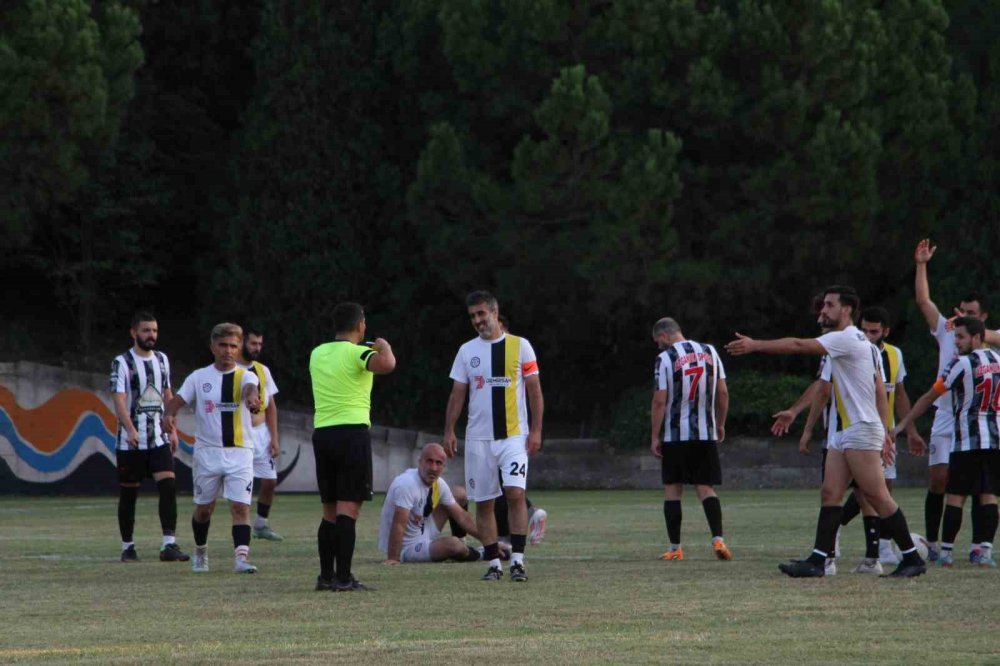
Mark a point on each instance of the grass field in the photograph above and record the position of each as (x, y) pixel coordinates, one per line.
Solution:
(597, 593)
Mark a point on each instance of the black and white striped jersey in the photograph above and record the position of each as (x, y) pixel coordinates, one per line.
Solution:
(689, 372)
(143, 381)
(974, 382)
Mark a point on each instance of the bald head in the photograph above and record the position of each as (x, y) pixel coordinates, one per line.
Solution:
(433, 449)
(432, 461)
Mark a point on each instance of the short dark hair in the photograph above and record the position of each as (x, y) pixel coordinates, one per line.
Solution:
(141, 316)
(974, 325)
(977, 297)
(877, 315)
(817, 303)
(847, 295)
(346, 317)
(253, 330)
(481, 296)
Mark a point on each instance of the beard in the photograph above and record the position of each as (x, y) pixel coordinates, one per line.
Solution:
(146, 343)
(250, 356)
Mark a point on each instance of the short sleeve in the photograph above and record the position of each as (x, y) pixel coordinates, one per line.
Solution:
(117, 381)
(405, 498)
(458, 369)
(901, 372)
(272, 388)
(953, 373)
(718, 362)
(660, 373)
(186, 391)
(825, 372)
(529, 363)
(942, 327)
(364, 354)
(166, 372)
(835, 343)
(249, 379)
(447, 498)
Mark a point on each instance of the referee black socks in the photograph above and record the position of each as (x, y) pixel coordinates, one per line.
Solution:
(345, 538)
(326, 540)
(126, 511)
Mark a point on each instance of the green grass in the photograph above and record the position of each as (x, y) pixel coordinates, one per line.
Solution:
(597, 593)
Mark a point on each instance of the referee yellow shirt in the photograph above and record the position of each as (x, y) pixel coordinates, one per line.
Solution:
(341, 383)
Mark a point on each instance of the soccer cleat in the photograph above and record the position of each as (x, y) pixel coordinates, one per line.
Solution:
(722, 551)
(933, 552)
(324, 585)
(673, 554)
(830, 568)
(240, 565)
(493, 573)
(353, 585)
(974, 556)
(801, 569)
(129, 555)
(517, 573)
(945, 559)
(267, 533)
(173, 553)
(199, 563)
(869, 565)
(910, 569)
(986, 561)
(536, 526)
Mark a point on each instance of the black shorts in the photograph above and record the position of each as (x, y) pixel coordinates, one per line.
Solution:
(691, 463)
(974, 472)
(134, 465)
(343, 463)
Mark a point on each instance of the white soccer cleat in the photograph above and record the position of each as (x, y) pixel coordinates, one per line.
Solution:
(199, 562)
(888, 555)
(830, 568)
(536, 526)
(869, 566)
(240, 565)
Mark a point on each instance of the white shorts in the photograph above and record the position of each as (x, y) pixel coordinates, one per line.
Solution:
(942, 435)
(862, 437)
(229, 470)
(263, 464)
(484, 458)
(833, 441)
(419, 550)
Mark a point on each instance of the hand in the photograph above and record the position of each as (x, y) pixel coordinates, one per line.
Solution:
(534, 443)
(915, 444)
(450, 444)
(741, 345)
(253, 401)
(782, 422)
(804, 440)
(392, 563)
(133, 437)
(924, 251)
(275, 449)
(381, 345)
(656, 446)
(888, 449)
(720, 431)
(172, 437)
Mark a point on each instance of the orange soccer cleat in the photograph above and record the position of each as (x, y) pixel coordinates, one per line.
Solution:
(722, 550)
(675, 554)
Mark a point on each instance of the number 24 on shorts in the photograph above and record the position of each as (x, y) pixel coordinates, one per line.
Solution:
(516, 470)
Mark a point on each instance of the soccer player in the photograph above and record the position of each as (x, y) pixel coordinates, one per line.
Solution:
(865, 441)
(342, 373)
(496, 370)
(265, 433)
(974, 462)
(223, 395)
(416, 507)
(140, 386)
(942, 430)
(690, 402)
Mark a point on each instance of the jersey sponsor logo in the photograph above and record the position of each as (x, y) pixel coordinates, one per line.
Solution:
(502, 382)
(474, 362)
(695, 357)
(150, 401)
(987, 369)
(227, 406)
(206, 387)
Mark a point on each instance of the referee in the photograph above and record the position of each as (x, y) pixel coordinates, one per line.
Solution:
(341, 373)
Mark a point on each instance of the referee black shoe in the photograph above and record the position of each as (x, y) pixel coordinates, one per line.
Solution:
(909, 569)
(493, 573)
(353, 585)
(801, 569)
(324, 585)
(129, 555)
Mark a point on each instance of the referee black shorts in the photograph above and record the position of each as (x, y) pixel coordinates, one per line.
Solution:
(134, 465)
(974, 472)
(694, 463)
(343, 463)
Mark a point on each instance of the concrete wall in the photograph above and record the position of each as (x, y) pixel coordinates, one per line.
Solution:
(56, 435)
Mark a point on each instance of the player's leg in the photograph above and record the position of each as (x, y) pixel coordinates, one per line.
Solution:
(483, 487)
(238, 489)
(129, 470)
(705, 472)
(886, 555)
(440, 516)
(872, 529)
(673, 474)
(354, 487)
(264, 469)
(326, 481)
(951, 525)
(990, 518)
(512, 458)
(938, 450)
(161, 466)
(207, 479)
(240, 512)
(452, 548)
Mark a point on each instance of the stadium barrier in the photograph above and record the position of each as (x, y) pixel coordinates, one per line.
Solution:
(57, 437)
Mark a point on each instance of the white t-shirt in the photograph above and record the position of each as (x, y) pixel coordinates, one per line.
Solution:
(854, 362)
(268, 388)
(222, 418)
(947, 353)
(495, 372)
(408, 491)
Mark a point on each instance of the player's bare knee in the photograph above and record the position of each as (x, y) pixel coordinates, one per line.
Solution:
(203, 512)
(461, 497)
(704, 492)
(240, 512)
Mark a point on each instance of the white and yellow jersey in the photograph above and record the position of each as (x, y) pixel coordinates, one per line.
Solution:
(495, 372)
(222, 418)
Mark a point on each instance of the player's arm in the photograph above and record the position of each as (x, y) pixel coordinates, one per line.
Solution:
(533, 387)
(721, 408)
(921, 288)
(656, 412)
(121, 411)
(174, 405)
(915, 443)
(383, 361)
(462, 517)
(399, 518)
(821, 396)
(745, 345)
(454, 409)
(271, 418)
(882, 404)
(786, 417)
